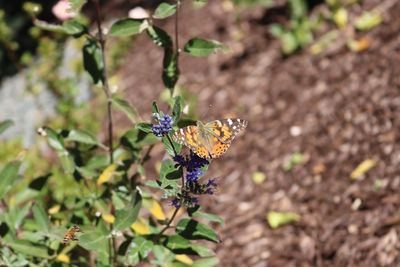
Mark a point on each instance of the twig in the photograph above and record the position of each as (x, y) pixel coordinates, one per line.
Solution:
(172, 144)
(178, 4)
(168, 225)
(106, 87)
(107, 92)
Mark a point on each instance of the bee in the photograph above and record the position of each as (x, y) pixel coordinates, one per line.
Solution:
(70, 235)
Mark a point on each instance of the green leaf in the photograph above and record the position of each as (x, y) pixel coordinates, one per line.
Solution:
(154, 184)
(175, 242)
(18, 214)
(67, 162)
(289, 43)
(82, 136)
(136, 139)
(206, 262)
(164, 10)
(76, 5)
(154, 108)
(163, 255)
(276, 30)
(159, 37)
(169, 147)
(177, 109)
(92, 60)
(129, 110)
(49, 27)
(202, 251)
(367, 21)
(208, 216)
(298, 8)
(95, 239)
(126, 217)
(41, 218)
(141, 246)
(276, 219)
(8, 176)
(201, 48)
(169, 171)
(4, 125)
(128, 27)
(73, 27)
(55, 140)
(145, 127)
(171, 71)
(192, 229)
(27, 248)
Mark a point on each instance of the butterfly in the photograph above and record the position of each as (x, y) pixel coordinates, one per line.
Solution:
(70, 235)
(210, 140)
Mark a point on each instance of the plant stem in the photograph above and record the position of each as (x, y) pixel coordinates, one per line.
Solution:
(172, 144)
(178, 4)
(106, 87)
(169, 222)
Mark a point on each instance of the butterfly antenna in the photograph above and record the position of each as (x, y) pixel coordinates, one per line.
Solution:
(206, 112)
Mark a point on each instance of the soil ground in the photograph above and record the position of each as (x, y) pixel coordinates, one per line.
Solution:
(337, 109)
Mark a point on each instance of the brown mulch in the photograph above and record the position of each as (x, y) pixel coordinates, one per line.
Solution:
(337, 110)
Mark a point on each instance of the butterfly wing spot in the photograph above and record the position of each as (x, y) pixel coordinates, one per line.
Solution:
(202, 152)
(219, 149)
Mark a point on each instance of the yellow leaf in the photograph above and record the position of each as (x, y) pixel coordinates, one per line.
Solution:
(359, 45)
(140, 227)
(362, 168)
(54, 209)
(107, 174)
(63, 258)
(341, 17)
(155, 208)
(108, 218)
(258, 177)
(184, 259)
(276, 219)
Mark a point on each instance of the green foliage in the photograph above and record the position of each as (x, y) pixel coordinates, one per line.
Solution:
(127, 27)
(8, 176)
(92, 60)
(4, 125)
(164, 10)
(99, 187)
(201, 48)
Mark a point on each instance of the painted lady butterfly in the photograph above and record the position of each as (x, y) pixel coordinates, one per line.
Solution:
(210, 140)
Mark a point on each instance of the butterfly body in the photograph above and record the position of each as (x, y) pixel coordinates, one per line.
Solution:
(70, 235)
(212, 139)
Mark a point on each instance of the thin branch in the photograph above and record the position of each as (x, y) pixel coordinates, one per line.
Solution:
(178, 4)
(172, 144)
(106, 87)
(107, 92)
(168, 225)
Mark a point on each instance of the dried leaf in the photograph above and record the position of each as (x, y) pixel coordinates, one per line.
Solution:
(107, 174)
(276, 219)
(362, 168)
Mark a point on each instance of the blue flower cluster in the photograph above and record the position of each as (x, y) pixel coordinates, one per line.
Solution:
(176, 202)
(163, 127)
(193, 175)
(187, 200)
(191, 162)
(193, 188)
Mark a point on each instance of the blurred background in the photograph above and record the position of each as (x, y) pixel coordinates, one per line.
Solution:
(314, 181)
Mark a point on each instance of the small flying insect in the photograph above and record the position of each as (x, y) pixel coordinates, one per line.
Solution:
(70, 235)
